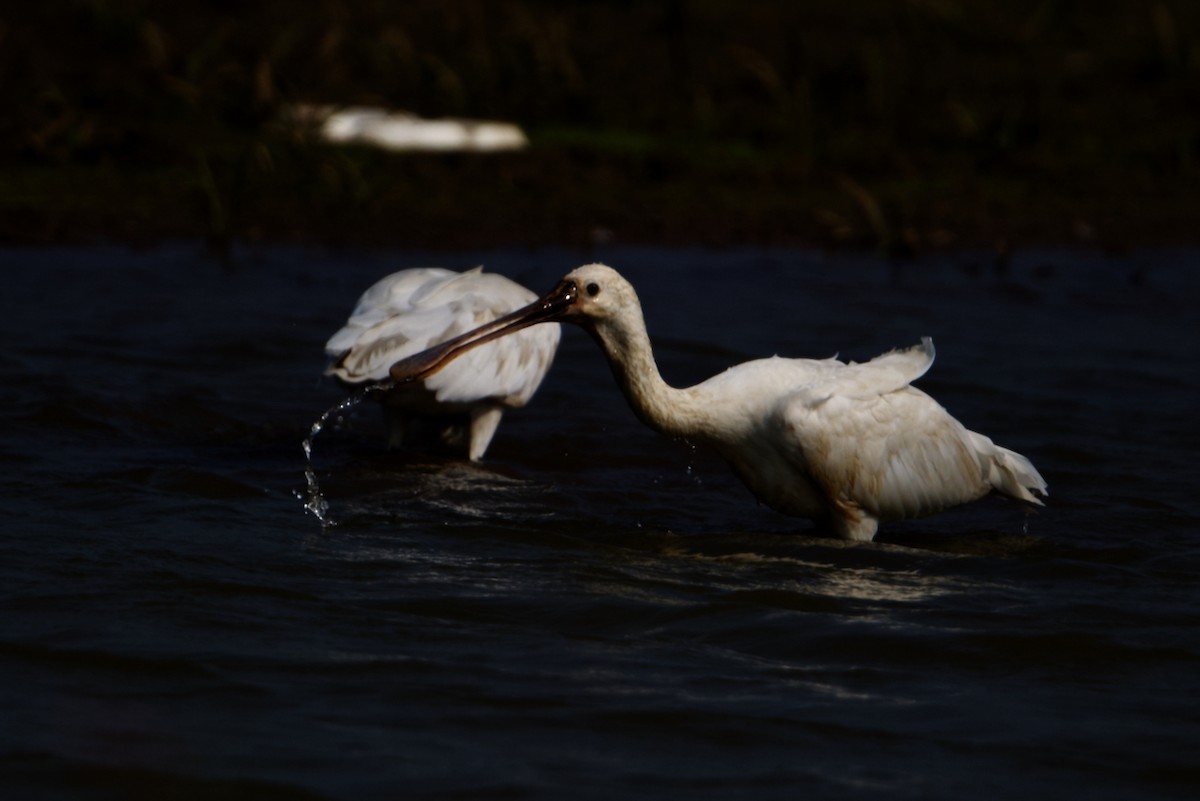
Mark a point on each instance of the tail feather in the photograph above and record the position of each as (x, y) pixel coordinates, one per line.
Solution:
(1015, 476)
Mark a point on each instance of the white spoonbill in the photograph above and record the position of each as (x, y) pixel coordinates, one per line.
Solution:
(411, 310)
(846, 444)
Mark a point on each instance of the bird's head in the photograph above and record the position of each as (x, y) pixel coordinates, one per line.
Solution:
(600, 294)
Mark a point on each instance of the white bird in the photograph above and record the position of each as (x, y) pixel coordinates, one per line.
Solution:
(845, 444)
(411, 310)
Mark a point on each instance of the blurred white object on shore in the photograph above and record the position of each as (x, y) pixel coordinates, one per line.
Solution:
(399, 130)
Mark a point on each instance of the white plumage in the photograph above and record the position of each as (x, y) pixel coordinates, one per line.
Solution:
(411, 310)
(854, 444)
(843, 443)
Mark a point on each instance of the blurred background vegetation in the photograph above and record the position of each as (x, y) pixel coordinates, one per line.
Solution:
(898, 124)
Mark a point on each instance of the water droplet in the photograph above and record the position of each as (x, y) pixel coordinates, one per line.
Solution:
(691, 466)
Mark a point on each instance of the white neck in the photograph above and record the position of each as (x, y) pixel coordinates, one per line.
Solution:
(666, 409)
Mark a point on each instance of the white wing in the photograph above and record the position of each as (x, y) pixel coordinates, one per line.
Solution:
(510, 368)
(873, 442)
(411, 310)
(883, 374)
(388, 297)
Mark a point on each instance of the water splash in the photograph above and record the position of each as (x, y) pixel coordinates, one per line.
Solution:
(314, 500)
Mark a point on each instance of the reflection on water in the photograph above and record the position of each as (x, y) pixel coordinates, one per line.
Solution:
(594, 611)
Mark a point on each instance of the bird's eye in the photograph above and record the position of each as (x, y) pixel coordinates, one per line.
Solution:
(593, 289)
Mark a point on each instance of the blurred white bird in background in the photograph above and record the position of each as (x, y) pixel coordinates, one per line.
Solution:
(845, 444)
(403, 131)
(411, 310)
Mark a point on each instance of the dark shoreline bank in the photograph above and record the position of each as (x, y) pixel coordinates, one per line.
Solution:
(903, 127)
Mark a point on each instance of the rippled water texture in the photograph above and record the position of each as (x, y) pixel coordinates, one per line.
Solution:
(594, 612)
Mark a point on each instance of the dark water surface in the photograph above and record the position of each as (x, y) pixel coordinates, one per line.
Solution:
(595, 612)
